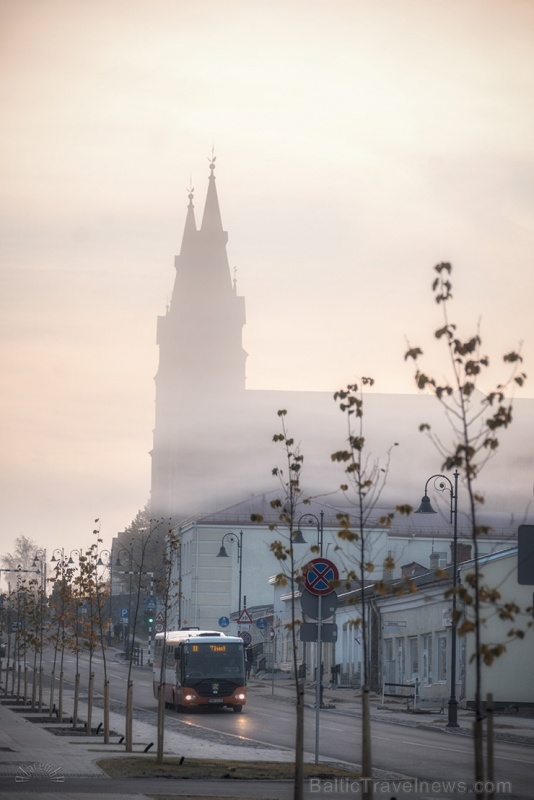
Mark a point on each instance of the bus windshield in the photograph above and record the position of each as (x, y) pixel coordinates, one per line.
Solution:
(224, 661)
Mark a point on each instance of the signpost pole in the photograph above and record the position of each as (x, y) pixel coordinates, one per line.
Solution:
(318, 676)
(149, 650)
(320, 577)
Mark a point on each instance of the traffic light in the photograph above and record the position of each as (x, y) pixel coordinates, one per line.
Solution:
(149, 616)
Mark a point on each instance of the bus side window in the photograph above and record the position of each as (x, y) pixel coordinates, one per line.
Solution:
(176, 653)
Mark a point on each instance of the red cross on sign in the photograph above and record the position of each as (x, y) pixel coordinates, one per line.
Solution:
(320, 576)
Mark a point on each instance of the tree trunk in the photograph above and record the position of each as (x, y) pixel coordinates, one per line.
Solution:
(40, 688)
(76, 700)
(479, 754)
(367, 768)
(129, 717)
(161, 723)
(60, 696)
(52, 686)
(90, 703)
(106, 712)
(489, 748)
(298, 792)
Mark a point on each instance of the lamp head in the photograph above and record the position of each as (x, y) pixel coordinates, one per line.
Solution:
(222, 552)
(297, 537)
(426, 506)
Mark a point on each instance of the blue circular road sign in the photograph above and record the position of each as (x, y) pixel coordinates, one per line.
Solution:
(320, 576)
(247, 638)
(224, 622)
(261, 623)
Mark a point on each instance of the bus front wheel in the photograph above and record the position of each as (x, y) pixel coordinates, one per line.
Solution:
(238, 709)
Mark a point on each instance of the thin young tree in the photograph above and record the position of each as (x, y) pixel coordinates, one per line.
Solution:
(63, 625)
(366, 477)
(143, 544)
(102, 598)
(287, 507)
(85, 583)
(165, 589)
(34, 629)
(475, 422)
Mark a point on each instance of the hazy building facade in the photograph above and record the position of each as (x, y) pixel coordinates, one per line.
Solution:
(213, 437)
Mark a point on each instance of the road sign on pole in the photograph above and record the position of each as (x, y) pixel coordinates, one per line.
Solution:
(320, 576)
(244, 618)
(245, 635)
(310, 604)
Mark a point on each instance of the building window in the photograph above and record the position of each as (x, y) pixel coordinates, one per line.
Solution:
(441, 641)
(413, 654)
(426, 642)
(389, 662)
(399, 646)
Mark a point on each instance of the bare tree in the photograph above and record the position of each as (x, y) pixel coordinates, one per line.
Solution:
(475, 422)
(22, 556)
(165, 587)
(366, 478)
(287, 507)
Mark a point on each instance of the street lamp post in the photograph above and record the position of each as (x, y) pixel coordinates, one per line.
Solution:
(108, 564)
(238, 539)
(319, 655)
(37, 559)
(442, 484)
(131, 572)
(40, 558)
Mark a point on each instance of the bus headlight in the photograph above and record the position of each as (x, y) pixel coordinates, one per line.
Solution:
(189, 697)
(240, 696)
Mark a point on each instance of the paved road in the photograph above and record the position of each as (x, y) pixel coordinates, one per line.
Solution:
(266, 728)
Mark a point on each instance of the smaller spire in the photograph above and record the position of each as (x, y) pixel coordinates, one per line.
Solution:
(190, 227)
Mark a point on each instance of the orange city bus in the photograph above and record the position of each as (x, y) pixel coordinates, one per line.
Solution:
(201, 668)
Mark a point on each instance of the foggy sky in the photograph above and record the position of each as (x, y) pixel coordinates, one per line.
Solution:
(357, 145)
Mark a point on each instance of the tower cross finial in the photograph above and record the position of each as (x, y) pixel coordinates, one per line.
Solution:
(213, 159)
(191, 189)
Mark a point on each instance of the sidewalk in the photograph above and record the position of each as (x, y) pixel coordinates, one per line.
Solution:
(511, 726)
(30, 754)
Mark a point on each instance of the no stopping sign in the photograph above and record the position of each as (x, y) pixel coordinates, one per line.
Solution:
(320, 576)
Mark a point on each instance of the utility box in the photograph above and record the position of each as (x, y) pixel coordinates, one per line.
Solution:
(525, 555)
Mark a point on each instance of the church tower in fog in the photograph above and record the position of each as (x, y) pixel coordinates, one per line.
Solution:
(201, 371)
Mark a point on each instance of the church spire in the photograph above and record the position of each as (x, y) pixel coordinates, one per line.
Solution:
(211, 221)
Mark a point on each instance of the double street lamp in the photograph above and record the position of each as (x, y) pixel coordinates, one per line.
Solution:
(444, 484)
(238, 539)
(108, 564)
(139, 572)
